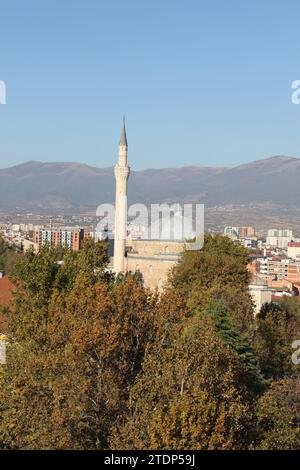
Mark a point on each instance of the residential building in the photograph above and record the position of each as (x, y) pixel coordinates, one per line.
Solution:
(294, 272)
(279, 238)
(66, 238)
(293, 250)
(239, 232)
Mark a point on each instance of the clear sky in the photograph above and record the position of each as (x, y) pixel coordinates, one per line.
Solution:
(201, 82)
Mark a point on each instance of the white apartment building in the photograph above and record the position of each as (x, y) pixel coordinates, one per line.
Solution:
(277, 268)
(279, 238)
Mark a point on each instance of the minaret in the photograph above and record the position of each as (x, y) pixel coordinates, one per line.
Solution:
(121, 174)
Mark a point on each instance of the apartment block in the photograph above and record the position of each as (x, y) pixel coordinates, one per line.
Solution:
(239, 232)
(279, 238)
(66, 238)
(277, 269)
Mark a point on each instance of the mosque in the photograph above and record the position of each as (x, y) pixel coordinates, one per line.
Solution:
(153, 258)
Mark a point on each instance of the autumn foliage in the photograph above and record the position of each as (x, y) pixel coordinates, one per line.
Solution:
(98, 362)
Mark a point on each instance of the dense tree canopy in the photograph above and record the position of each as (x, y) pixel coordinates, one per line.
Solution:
(278, 416)
(216, 272)
(278, 325)
(77, 342)
(8, 256)
(187, 395)
(97, 362)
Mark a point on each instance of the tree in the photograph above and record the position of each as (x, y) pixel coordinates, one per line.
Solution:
(217, 271)
(278, 416)
(277, 326)
(96, 361)
(75, 346)
(200, 376)
(187, 395)
(240, 344)
(9, 254)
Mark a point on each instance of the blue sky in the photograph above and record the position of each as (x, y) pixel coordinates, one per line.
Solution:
(201, 82)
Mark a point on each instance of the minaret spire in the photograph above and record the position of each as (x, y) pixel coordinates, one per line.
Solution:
(123, 139)
(123, 146)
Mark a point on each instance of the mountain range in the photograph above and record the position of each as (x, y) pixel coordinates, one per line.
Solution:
(67, 187)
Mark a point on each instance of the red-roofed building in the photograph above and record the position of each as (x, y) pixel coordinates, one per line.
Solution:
(294, 250)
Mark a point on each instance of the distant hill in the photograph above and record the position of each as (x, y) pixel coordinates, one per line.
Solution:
(67, 187)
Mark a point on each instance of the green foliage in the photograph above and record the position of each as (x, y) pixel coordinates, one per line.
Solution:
(9, 255)
(277, 326)
(218, 271)
(278, 416)
(250, 374)
(291, 306)
(220, 262)
(38, 272)
(267, 309)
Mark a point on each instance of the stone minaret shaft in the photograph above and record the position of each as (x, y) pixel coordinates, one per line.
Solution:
(121, 174)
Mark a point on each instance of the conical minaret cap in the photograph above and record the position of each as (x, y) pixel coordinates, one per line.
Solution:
(123, 139)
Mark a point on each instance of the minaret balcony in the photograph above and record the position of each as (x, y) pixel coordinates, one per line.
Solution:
(122, 171)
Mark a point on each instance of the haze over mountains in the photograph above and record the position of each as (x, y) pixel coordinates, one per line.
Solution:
(68, 187)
